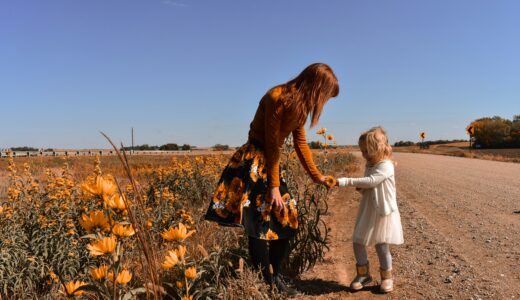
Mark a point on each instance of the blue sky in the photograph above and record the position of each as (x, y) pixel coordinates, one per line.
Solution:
(190, 71)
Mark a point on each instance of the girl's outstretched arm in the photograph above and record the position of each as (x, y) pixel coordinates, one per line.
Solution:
(381, 172)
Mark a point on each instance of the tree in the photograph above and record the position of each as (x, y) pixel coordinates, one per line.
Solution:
(24, 148)
(186, 147)
(404, 144)
(497, 132)
(220, 147)
(315, 145)
(169, 147)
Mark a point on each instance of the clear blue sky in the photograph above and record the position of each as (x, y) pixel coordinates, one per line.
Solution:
(190, 71)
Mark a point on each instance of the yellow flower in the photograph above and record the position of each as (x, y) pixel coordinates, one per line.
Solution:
(180, 251)
(191, 273)
(99, 273)
(115, 201)
(71, 288)
(103, 185)
(179, 284)
(123, 277)
(170, 260)
(330, 181)
(53, 276)
(123, 230)
(187, 298)
(330, 137)
(321, 130)
(108, 184)
(180, 233)
(95, 219)
(102, 246)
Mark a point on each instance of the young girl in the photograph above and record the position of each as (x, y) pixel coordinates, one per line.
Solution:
(378, 221)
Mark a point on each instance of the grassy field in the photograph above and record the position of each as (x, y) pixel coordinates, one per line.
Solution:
(67, 231)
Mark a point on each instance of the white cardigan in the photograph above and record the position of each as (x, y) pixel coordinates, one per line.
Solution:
(378, 185)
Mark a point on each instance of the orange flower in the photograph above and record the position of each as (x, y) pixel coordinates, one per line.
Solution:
(293, 215)
(95, 219)
(283, 216)
(170, 260)
(321, 130)
(108, 184)
(102, 246)
(235, 196)
(103, 185)
(237, 157)
(330, 181)
(99, 273)
(180, 233)
(191, 273)
(259, 200)
(220, 193)
(271, 235)
(124, 277)
(330, 137)
(71, 288)
(180, 251)
(115, 201)
(123, 230)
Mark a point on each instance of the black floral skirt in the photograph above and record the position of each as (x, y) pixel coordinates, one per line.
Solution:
(242, 198)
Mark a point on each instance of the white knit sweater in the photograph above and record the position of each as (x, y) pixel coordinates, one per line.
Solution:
(378, 185)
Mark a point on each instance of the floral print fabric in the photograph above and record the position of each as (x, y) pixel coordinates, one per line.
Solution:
(241, 198)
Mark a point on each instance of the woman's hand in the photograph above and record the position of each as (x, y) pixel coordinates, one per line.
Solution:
(276, 199)
(329, 182)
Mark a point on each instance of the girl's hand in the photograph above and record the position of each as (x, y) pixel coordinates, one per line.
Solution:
(276, 199)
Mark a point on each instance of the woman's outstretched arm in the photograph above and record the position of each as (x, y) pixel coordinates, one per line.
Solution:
(305, 155)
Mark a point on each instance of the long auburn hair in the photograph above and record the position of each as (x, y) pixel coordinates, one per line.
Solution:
(308, 92)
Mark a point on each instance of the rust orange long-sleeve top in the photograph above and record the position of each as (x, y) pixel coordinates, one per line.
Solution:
(272, 123)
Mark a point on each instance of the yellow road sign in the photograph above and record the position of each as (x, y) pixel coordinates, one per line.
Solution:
(470, 130)
(422, 135)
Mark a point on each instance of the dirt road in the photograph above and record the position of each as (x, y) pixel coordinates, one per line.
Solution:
(462, 235)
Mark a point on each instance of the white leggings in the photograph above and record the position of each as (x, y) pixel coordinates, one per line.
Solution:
(383, 253)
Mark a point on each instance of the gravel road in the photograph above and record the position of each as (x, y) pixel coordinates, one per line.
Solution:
(462, 235)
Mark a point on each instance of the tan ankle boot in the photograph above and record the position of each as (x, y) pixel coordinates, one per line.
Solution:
(362, 278)
(387, 281)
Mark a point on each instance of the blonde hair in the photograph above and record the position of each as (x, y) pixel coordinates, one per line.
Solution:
(307, 93)
(376, 143)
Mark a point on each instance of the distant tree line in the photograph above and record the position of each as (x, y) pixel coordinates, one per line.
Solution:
(497, 132)
(404, 144)
(165, 147)
(24, 148)
(220, 147)
(320, 145)
(428, 143)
